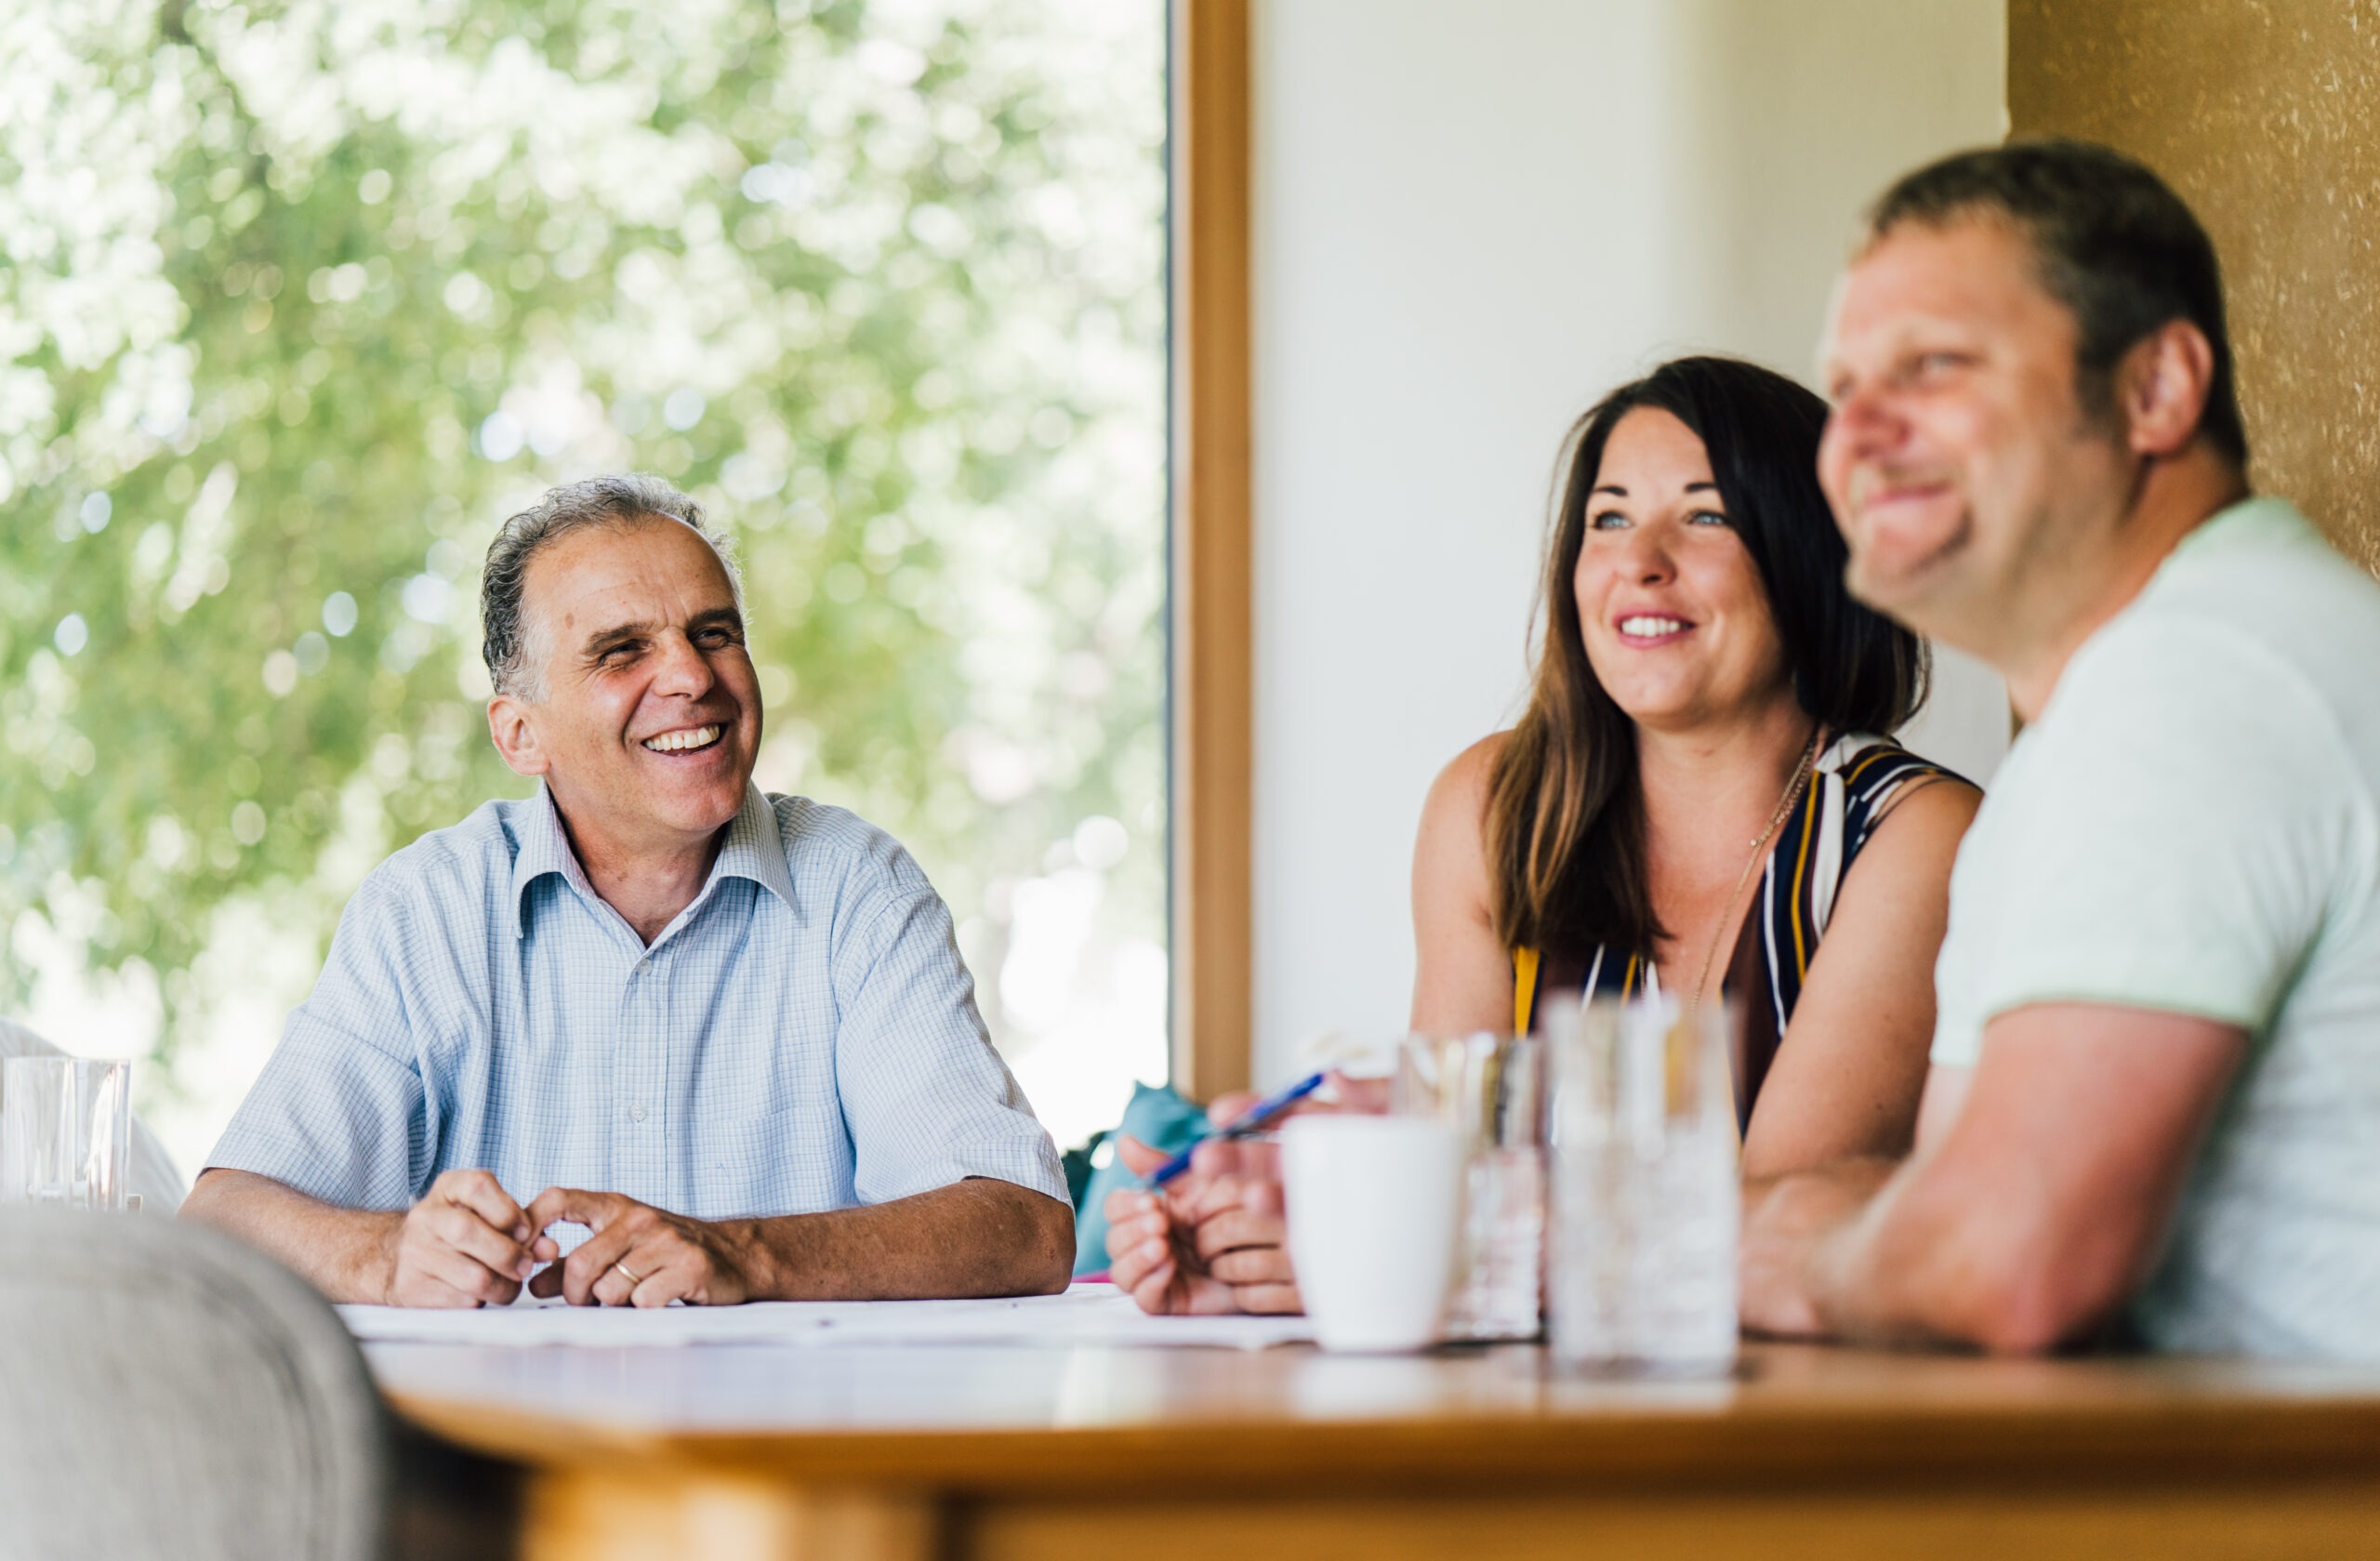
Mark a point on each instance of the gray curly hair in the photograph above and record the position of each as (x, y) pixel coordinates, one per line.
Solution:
(629, 499)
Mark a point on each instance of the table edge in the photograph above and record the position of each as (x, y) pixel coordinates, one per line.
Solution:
(2133, 1444)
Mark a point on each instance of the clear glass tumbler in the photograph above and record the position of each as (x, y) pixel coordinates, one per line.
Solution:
(1492, 1089)
(1646, 1201)
(65, 1131)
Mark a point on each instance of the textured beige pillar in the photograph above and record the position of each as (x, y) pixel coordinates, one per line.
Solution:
(2265, 115)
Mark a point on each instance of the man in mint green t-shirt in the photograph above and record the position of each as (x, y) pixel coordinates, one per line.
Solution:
(2155, 1094)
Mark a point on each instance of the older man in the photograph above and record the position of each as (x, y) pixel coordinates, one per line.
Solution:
(727, 1033)
(2155, 1094)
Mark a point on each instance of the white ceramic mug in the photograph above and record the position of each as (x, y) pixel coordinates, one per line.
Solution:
(1375, 1205)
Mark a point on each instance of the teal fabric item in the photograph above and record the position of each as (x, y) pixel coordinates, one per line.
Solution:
(1157, 1116)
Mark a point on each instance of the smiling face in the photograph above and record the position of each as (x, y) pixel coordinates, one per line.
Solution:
(650, 716)
(1671, 605)
(1960, 462)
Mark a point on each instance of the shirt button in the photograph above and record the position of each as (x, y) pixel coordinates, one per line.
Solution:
(635, 1113)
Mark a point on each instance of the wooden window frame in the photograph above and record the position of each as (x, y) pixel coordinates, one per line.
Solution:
(1209, 620)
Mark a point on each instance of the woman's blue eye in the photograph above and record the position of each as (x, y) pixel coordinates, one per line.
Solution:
(1707, 517)
(1610, 519)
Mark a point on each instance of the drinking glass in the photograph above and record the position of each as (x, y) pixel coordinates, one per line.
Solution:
(1646, 1201)
(1491, 1089)
(65, 1131)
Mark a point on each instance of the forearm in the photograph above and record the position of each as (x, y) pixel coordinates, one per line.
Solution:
(2032, 1208)
(348, 1254)
(1887, 1269)
(976, 1237)
(1787, 1221)
(1869, 1253)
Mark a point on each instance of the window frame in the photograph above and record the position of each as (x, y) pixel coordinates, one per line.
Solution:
(1209, 624)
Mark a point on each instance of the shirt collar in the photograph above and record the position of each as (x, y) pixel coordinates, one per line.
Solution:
(2257, 519)
(753, 850)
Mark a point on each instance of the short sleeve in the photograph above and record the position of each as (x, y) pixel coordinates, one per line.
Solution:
(340, 1112)
(2192, 807)
(925, 1098)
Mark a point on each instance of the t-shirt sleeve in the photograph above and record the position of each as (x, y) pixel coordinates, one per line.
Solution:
(340, 1112)
(2184, 847)
(926, 1099)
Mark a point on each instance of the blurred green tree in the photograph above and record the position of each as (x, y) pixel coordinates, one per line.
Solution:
(299, 301)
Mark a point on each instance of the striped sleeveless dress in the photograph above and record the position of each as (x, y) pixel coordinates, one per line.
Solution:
(1851, 788)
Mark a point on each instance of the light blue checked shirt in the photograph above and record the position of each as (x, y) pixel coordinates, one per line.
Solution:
(804, 1036)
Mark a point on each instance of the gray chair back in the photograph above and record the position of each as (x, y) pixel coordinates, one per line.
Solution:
(168, 1393)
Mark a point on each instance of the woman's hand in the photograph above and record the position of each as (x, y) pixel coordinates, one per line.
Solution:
(1216, 1238)
(1239, 1231)
(1151, 1249)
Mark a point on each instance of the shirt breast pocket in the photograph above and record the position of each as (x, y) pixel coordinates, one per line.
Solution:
(758, 1167)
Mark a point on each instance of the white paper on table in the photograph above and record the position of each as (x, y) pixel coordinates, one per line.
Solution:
(1086, 1313)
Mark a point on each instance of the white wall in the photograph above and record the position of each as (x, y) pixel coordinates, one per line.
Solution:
(1469, 222)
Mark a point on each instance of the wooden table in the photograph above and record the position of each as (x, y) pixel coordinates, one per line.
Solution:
(1144, 1454)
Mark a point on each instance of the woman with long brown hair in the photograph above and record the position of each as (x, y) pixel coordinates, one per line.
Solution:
(1704, 760)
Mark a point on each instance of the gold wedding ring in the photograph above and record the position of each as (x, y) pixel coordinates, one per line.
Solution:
(634, 1277)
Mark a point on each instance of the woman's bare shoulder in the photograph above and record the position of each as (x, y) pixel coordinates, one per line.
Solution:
(1463, 786)
(1939, 805)
(1918, 833)
(1455, 815)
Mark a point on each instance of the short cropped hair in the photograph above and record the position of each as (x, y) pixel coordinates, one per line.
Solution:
(629, 499)
(2117, 247)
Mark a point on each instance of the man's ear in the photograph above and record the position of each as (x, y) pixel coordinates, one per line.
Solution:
(2161, 388)
(516, 735)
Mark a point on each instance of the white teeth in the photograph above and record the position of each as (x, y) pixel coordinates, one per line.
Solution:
(1649, 627)
(678, 742)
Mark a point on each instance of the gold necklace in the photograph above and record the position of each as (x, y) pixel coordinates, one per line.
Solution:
(1727, 912)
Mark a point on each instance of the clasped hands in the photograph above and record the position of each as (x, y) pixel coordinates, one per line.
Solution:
(1216, 1238)
(466, 1243)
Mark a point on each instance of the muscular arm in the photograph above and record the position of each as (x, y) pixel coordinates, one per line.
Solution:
(976, 1237)
(2032, 1208)
(1848, 1075)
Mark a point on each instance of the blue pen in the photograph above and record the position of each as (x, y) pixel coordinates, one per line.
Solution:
(1253, 1119)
